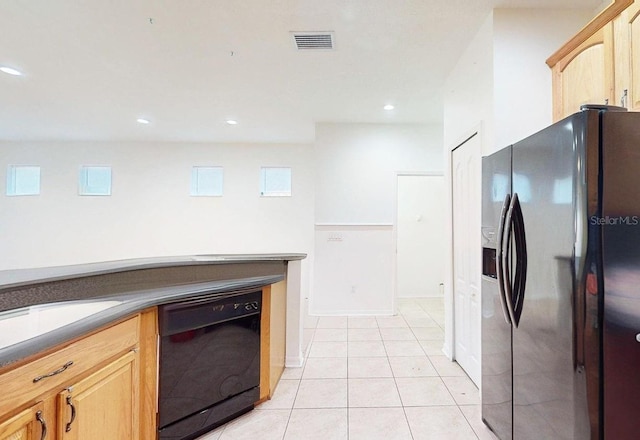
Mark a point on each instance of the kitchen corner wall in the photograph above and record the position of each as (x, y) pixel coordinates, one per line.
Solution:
(501, 84)
(522, 41)
(150, 212)
(356, 168)
(500, 88)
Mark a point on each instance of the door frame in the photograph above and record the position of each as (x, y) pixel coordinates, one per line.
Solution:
(449, 311)
(395, 226)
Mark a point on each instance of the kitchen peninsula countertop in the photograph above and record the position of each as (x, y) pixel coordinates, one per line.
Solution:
(20, 277)
(110, 291)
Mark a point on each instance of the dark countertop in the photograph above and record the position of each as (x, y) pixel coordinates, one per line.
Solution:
(20, 277)
(138, 284)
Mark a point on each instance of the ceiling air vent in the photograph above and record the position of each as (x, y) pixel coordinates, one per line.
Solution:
(313, 40)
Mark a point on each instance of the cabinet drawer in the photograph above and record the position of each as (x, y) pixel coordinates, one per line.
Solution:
(18, 386)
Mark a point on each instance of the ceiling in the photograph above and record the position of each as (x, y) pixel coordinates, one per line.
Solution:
(91, 68)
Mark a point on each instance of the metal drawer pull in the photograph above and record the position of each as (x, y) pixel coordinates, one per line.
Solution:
(73, 414)
(40, 419)
(53, 373)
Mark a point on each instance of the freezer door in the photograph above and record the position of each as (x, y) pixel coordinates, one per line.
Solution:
(496, 330)
(549, 387)
(620, 223)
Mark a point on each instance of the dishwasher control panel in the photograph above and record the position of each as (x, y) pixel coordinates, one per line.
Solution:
(191, 315)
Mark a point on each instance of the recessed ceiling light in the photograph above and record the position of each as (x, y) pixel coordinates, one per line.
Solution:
(389, 107)
(143, 121)
(10, 71)
(231, 122)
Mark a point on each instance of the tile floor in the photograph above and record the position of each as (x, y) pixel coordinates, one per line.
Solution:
(370, 378)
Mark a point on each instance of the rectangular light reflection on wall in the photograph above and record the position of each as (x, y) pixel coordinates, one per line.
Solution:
(275, 182)
(94, 181)
(23, 180)
(207, 181)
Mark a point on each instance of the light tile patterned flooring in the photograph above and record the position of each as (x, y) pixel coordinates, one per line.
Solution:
(370, 378)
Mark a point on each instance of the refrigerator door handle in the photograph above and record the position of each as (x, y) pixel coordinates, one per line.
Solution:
(499, 269)
(506, 261)
(520, 278)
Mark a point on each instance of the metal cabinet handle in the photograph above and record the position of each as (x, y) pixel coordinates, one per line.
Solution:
(40, 419)
(53, 373)
(73, 414)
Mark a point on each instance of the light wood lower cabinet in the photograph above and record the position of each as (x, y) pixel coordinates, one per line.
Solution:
(28, 424)
(103, 406)
(88, 389)
(104, 386)
(272, 337)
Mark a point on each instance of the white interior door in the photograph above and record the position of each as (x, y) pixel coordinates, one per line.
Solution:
(420, 239)
(466, 189)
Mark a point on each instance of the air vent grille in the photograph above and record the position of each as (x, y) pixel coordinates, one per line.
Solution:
(313, 40)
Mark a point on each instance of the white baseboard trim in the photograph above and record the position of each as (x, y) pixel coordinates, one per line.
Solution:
(446, 349)
(353, 313)
(294, 361)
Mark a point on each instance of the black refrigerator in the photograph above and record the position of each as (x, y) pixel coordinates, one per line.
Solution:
(561, 281)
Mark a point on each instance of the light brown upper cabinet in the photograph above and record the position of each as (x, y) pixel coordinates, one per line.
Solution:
(586, 69)
(627, 57)
(585, 75)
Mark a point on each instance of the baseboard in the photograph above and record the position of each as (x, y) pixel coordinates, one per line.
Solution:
(446, 349)
(353, 313)
(294, 361)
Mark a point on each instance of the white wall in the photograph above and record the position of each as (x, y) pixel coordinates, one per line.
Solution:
(501, 84)
(356, 166)
(352, 167)
(468, 108)
(353, 270)
(501, 88)
(468, 91)
(150, 212)
(522, 41)
(356, 172)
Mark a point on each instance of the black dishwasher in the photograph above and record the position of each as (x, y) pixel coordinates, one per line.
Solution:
(209, 362)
